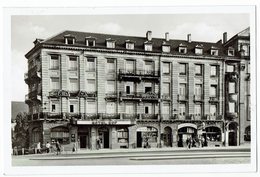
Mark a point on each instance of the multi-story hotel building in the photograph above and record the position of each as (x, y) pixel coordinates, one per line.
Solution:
(124, 91)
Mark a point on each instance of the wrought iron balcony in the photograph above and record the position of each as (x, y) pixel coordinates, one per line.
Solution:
(138, 75)
(150, 96)
(213, 99)
(108, 116)
(130, 116)
(90, 116)
(148, 117)
(166, 97)
(182, 98)
(198, 98)
(111, 96)
(34, 72)
(91, 94)
(134, 96)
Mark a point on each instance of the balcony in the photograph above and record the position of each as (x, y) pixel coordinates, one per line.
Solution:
(26, 78)
(182, 98)
(91, 95)
(138, 75)
(150, 96)
(198, 98)
(111, 96)
(213, 99)
(148, 117)
(108, 116)
(34, 72)
(133, 96)
(90, 116)
(54, 116)
(129, 116)
(27, 100)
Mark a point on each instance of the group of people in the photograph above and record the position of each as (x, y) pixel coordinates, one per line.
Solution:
(195, 142)
(48, 147)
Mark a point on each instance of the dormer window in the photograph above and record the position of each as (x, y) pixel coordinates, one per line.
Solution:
(231, 51)
(90, 41)
(111, 43)
(182, 49)
(130, 45)
(166, 47)
(199, 49)
(148, 46)
(214, 51)
(69, 39)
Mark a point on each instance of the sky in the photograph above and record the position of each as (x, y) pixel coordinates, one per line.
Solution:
(202, 27)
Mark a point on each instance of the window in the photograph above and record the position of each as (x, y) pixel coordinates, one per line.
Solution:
(130, 66)
(166, 68)
(70, 40)
(54, 63)
(91, 85)
(74, 84)
(182, 89)
(231, 51)
(213, 110)
(128, 90)
(73, 64)
(129, 87)
(198, 51)
(90, 65)
(146, 110)
(232, 107)
(182, 109)
(213, 70)
(148, 67)
(129, 108)
(198, 110)
(111, 44)
(110, 108)
(55, 83)
(111, 65)
(91, 107)
(166, 48)
(183, 67)
(148, 89)
(72, 109)
(122, 135)
(213, 91)
(60, 134)
(230, 68)
(214, 52)
(166, 88)
(110, 88)
(183, 50)
(129, 45)
(198, 89)
(90, 42)
(245, 49)
(198, 69)
(148, 47)
(55, 106)
(231, 87)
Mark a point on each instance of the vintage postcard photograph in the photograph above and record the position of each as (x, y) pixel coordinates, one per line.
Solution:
(139, 90)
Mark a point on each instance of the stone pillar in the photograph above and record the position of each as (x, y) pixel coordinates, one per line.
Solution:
(93, 138)
(132, 137)
(113, 139)
(175, 136)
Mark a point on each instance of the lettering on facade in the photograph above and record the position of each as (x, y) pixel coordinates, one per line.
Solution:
(111, 122)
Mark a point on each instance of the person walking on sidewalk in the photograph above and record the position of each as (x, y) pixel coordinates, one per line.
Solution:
(39, 148)
(48, 146)
(58, 147)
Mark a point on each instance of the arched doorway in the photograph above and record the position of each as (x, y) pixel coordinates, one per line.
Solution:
(232, 135)
(212, 136)
(146, 137)
(103, 137)
(167, 138)
(247, 135)
(60, 134)
(36, 135)
(184, 133)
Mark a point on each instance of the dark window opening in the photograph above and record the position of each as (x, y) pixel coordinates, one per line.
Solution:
(127, 89)
(146, 110)
(53, 108)
(71, 108)
(148, 89)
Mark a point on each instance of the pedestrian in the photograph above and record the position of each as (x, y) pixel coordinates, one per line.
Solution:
(58, 147)
(188, 142)
(39, 148)
(48, 146)
(98, 144)
(74, 147)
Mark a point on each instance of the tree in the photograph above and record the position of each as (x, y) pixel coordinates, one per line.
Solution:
(21, 131)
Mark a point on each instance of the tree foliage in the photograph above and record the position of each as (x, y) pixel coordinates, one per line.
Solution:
(21, 131)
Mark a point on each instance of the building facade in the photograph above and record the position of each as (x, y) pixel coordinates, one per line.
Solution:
(111, 91)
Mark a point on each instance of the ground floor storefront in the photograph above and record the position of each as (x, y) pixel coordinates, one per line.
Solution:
(140, 134)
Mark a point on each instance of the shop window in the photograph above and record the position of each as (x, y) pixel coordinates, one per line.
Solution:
(213, 134)
(122, 135)
(60, 134)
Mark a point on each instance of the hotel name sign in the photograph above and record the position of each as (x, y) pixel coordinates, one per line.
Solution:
(104, 122)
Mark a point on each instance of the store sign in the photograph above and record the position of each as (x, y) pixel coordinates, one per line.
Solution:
(104, 122)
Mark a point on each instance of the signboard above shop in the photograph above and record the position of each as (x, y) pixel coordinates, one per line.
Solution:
(104, 122)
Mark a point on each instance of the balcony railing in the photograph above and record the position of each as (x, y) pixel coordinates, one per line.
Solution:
(148, 117)
(198, 98)
(34, 72)
(166, 97)
(111, 95)
(108, 116)
(130, 96)
(91, 116)
(138, 75)
(130, 116)
(182, 98)
(213, 99)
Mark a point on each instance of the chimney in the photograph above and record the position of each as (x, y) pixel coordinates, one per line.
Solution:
(149, 35)
(189, 38)
(224, 37)
(167, 37)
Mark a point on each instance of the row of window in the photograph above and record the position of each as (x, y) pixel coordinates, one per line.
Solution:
(132, 109)
(148, 46)
(130, 66)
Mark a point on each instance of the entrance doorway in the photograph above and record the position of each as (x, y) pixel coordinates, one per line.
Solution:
(184, 133)
(139, 139)
(167, 137)
(83, 140)
(232, 135)
(103, 135)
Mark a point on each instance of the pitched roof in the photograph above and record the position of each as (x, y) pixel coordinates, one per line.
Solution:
(139, 42)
